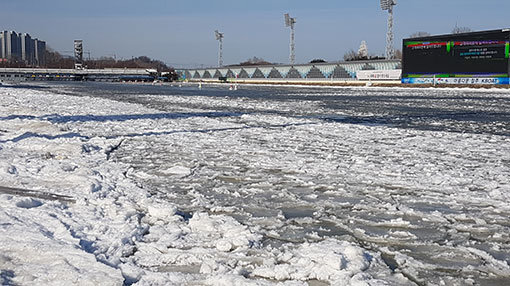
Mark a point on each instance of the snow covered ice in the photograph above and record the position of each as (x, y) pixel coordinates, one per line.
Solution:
(110, 184)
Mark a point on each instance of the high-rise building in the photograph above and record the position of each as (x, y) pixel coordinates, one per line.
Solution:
(40, 50)
(6, 44)
(16, 47)
(11, 45)
(27, 49)
(2, 45)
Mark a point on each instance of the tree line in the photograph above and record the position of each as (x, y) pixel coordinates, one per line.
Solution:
(53, 59)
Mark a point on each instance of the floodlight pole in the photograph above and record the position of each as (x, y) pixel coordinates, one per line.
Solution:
(292, 44)
(389, 36)
(290, 22)
(219, 37)
(220, 55)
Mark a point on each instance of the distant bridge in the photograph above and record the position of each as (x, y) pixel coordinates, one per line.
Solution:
(23, 74)
(316, 71)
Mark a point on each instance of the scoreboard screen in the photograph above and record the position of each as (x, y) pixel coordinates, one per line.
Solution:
(472, 54)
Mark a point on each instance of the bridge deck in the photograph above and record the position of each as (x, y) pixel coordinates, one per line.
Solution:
(27, 71)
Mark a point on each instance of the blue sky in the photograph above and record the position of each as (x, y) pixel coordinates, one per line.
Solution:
(181, 33)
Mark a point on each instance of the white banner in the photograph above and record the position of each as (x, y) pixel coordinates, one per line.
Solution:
(379, 75)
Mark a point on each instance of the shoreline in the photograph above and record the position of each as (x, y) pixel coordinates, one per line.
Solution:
(353, 83)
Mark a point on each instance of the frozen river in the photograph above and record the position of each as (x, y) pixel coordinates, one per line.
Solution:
(417, 178)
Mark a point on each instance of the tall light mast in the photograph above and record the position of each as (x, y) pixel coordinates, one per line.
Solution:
(289, 22)
(219, 37)
(387, 5)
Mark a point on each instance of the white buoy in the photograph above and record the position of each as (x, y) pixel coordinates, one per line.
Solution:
(200, 86)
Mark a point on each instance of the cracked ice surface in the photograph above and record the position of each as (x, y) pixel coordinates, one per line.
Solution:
(264, 186)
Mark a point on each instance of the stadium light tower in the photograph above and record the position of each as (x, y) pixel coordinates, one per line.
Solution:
(219, 37)
(289, 22)
(387, 5)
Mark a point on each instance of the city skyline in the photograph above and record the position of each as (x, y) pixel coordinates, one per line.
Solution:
(22, 48)
(182, 33)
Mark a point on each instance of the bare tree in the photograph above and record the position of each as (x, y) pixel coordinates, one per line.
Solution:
(350, 56)
(460, 30)
(398, 54)
(419, 34)
(255, 61)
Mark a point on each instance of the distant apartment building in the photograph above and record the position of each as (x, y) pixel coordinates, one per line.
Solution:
(40, 51)
(17, 47)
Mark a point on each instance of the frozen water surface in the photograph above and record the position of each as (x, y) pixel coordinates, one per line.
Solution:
(290, 185)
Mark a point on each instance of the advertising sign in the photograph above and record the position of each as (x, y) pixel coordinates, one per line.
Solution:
(457, 80)
(475, 55)
(379, 75)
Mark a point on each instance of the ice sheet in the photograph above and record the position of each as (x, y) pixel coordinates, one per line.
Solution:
(204, 189)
